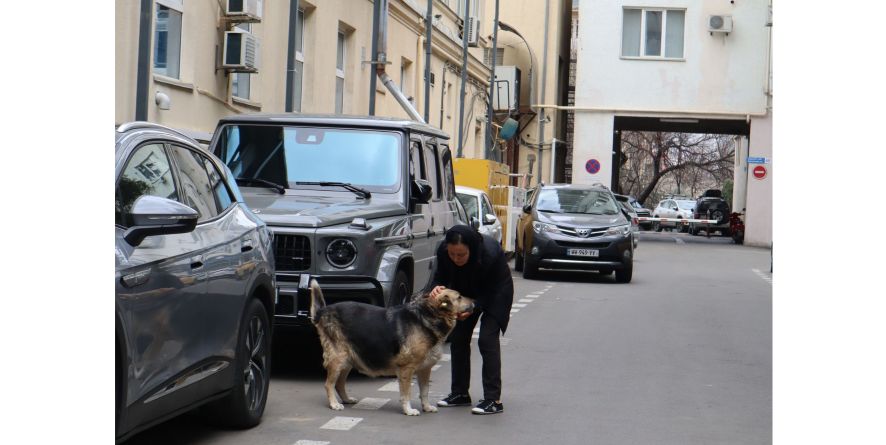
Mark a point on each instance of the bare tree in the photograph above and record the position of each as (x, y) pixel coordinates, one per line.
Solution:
(689, 160)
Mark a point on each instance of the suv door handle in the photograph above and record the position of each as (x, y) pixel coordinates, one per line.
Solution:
(246, 246)
(197, 262)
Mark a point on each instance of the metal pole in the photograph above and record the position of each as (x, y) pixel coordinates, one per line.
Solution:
(443, 91)
(290, 55)
(544, 74)
(373, 56)
(464, 77)
(429, 27)
(143, 73)
(490, 139)
(553, 158)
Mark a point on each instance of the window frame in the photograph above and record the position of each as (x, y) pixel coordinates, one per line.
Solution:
(177, 6)
(662, 34)
(298, 78)
(178, 176)
(341, 47)
(172, 171)
(241, 81)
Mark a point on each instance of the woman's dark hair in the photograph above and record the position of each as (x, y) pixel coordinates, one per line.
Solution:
(462, 234)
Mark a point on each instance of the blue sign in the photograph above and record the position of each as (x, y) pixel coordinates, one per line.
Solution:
(757, 160)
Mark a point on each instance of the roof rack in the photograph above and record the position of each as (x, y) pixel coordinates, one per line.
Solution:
(144, 124)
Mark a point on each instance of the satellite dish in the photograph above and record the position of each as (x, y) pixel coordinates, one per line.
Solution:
(508, 129)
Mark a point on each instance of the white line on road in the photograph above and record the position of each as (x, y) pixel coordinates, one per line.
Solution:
(371, 403)
(679, 241)
(504, 341)
(445, 358)
(341, 423)
(435, 367)
(521, 305)
(532, 296)
(526, 300)
(392, 386)
(514, 311)
(311, 442)
(765, 276)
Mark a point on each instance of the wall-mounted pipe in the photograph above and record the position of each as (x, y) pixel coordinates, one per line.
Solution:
(401, 98)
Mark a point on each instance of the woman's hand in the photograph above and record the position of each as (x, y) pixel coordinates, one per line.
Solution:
(436, 291)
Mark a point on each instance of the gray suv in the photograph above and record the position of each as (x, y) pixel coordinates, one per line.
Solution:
(194, 285)
(358, 203)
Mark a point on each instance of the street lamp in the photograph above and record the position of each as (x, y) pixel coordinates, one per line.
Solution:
(532, 63)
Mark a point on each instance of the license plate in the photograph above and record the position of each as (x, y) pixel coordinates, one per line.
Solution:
(583, 252)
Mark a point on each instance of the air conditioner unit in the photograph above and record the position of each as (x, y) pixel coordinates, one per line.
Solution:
(506, 94)
(720, 23)
(472, 25)
(240, 52)
(243, 10)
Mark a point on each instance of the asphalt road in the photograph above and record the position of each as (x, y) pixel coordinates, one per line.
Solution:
(681, 355)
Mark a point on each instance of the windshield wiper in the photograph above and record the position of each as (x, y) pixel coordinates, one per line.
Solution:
(273, 185)
(549, 211)
(363, 193)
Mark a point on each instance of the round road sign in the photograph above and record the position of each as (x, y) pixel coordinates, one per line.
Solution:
(759, 172)
(592, 166)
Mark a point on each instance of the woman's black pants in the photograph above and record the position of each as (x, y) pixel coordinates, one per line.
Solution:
(490, 350)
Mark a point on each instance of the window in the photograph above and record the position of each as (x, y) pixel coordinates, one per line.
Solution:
(340, 73)
(470, 204)
(168, 38)
(486, 206)
(240, 82)
(499, 56)
(147, 173)
(196, 190)
(298, 75)
(405, 74)
(222, 195)
(653, 33)
(448, 179)
(416, 162)
(434, 176)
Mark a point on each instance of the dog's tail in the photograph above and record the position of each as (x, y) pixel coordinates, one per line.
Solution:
(317, 301)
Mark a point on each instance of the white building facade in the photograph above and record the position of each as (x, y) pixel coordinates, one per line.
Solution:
(678, 65)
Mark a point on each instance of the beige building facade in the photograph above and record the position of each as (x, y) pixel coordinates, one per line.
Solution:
(330, 42)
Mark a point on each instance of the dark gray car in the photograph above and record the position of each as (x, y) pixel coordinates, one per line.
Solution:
(194, 282)
(574, 227)
(358, 203)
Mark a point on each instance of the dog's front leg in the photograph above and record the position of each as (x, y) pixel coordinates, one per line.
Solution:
(404, 376)
(424, 379)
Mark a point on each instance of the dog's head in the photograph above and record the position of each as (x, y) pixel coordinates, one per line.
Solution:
(451, 303)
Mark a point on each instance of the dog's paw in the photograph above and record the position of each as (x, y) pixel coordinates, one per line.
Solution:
(337, 406)
(411, 412)
(429, 408)
(349, 401)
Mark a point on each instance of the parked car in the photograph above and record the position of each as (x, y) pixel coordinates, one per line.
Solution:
(479, 208)
(574, 226)
(194, 285)
(358, 203)
(673, 208)
(625, 202)
(641, 212)
(711, 205)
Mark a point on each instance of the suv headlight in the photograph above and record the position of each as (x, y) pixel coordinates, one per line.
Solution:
(341, 253)
(539, 227)
(619, 230)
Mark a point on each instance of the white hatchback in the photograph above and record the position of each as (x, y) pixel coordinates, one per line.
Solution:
(478, 206)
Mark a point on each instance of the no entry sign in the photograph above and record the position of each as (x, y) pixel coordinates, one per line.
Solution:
(592, 166)
(759, 172)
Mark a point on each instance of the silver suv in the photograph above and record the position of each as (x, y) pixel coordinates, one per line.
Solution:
(357, 203)
(194, 284)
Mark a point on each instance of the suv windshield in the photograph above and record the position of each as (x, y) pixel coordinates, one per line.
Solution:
(565, 200)
(289, 155)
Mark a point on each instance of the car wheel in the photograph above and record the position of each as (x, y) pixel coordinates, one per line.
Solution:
(657, 226)
(624, 275)
(401, 289)
(518, 261)
(244, 406)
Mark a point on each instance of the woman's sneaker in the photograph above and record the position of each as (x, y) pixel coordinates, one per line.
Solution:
(455, 400)
(488, 407)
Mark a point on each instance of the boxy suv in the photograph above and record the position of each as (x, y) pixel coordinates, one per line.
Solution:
(574, 227)
(358, 203)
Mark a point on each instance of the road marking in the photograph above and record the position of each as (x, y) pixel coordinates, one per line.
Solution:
(311, 442)
(520, 305)
(435, 367)
(392, 386)
(371, 403)
(514, 311)
(341, 423)
(539, 292)
(526, 300)
(765, 276)
(679, 241)
(445, 358)
(504, 341)
(532, 296)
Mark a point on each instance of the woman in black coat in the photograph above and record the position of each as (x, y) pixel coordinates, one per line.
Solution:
(475, 265)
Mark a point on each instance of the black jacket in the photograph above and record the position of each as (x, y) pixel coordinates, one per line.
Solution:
(486, 277)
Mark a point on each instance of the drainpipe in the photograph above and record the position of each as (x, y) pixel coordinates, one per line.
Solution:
(490, 141)
(376, 13)
(429, 27)
(464, 76)
(544, 76)
(143, 74)
(380, 65)
(290, 57)
(443, 91)
(401, 98)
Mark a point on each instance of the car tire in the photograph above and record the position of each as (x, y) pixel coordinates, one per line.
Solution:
(657, 226)
(625, 274)
(530, 268)
(401, 289)
(244, 406)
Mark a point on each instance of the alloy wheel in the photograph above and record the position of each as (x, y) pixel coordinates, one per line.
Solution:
(256, 372)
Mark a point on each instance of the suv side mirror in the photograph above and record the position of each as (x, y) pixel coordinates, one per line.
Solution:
(421, 191)
(489, 219)
(527, 208)
(153, 215)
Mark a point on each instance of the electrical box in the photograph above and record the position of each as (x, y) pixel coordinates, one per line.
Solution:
(506, 94)
(243, 10)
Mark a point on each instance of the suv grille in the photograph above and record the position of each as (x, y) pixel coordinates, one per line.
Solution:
(292, 252)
